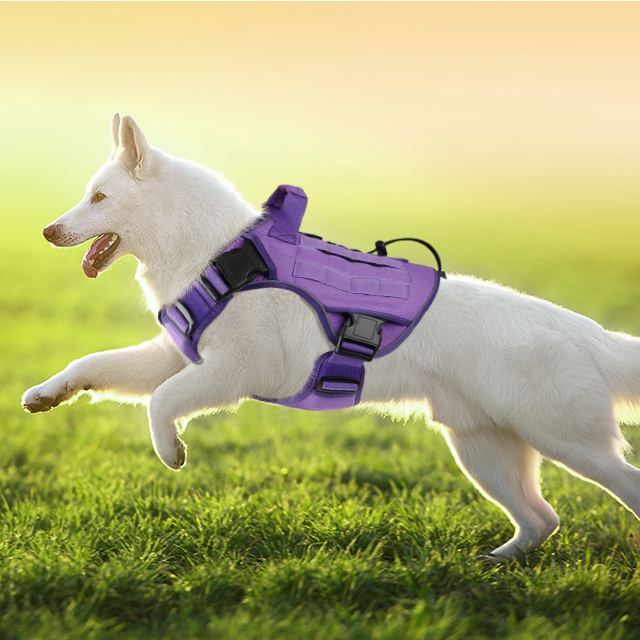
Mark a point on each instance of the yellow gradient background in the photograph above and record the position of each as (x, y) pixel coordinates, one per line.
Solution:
(507, 134)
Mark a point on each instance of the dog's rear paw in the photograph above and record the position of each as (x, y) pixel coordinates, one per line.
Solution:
(493, 558)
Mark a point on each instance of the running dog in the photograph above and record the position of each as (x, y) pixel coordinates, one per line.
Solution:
(509, 378)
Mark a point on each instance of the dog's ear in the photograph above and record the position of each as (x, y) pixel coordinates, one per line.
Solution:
(115, 140)
(133, 144)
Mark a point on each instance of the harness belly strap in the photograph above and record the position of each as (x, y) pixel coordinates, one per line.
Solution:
(367, 304)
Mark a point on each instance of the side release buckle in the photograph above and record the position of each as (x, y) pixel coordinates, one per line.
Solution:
(360, 337)
(236, 268)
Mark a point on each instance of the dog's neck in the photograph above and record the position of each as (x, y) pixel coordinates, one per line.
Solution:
(192, 231)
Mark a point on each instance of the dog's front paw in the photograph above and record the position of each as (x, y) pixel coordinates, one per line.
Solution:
(34, 402)
(173, 455)
(42, 398)
(181, 453)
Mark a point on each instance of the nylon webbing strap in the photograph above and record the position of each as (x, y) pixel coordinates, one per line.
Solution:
(203, 301)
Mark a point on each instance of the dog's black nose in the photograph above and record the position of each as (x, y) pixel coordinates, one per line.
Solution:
(49, 232)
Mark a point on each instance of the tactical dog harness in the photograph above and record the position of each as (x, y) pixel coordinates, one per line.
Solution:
(367, 304)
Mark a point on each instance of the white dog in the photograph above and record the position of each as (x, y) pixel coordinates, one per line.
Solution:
(510, 378)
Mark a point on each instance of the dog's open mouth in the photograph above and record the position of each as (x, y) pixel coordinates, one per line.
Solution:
(97, 257)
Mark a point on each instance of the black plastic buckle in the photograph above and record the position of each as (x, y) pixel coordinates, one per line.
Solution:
(238, 266)
(186, 314)
(361, 330)
(338, 379)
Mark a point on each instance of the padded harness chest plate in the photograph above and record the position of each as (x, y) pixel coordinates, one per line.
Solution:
(367, 304)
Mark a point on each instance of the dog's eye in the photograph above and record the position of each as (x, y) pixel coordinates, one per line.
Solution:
(97, 196)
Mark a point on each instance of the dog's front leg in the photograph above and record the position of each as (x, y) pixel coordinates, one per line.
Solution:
(217, 383)
(133, 372)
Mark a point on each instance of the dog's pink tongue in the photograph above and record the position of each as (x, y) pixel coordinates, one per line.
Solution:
(98, 246)
(89, 270)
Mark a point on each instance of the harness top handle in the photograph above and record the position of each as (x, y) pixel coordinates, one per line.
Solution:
(286, 206)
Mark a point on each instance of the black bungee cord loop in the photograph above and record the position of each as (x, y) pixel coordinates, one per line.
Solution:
(381, 250)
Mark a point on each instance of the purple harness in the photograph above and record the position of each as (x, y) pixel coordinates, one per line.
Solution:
(367, 304)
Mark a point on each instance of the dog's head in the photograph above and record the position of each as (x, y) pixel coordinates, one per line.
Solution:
(109, 211)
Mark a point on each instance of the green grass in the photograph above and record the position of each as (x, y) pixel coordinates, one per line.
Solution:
(288, 524)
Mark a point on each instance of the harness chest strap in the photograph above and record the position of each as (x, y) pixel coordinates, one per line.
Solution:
(366, 304)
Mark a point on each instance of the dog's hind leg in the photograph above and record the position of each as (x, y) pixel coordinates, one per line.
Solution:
(595, 454)
(505, 469)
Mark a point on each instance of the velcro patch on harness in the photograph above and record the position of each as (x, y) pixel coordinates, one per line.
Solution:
(349, 271)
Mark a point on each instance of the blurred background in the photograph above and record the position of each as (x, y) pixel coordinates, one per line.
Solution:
(506, 134)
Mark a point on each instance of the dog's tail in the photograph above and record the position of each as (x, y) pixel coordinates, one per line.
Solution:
(618, 359)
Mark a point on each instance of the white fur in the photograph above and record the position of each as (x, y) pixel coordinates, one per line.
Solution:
(510, 378)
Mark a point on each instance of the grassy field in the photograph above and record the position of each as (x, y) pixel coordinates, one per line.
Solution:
(287, 524)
